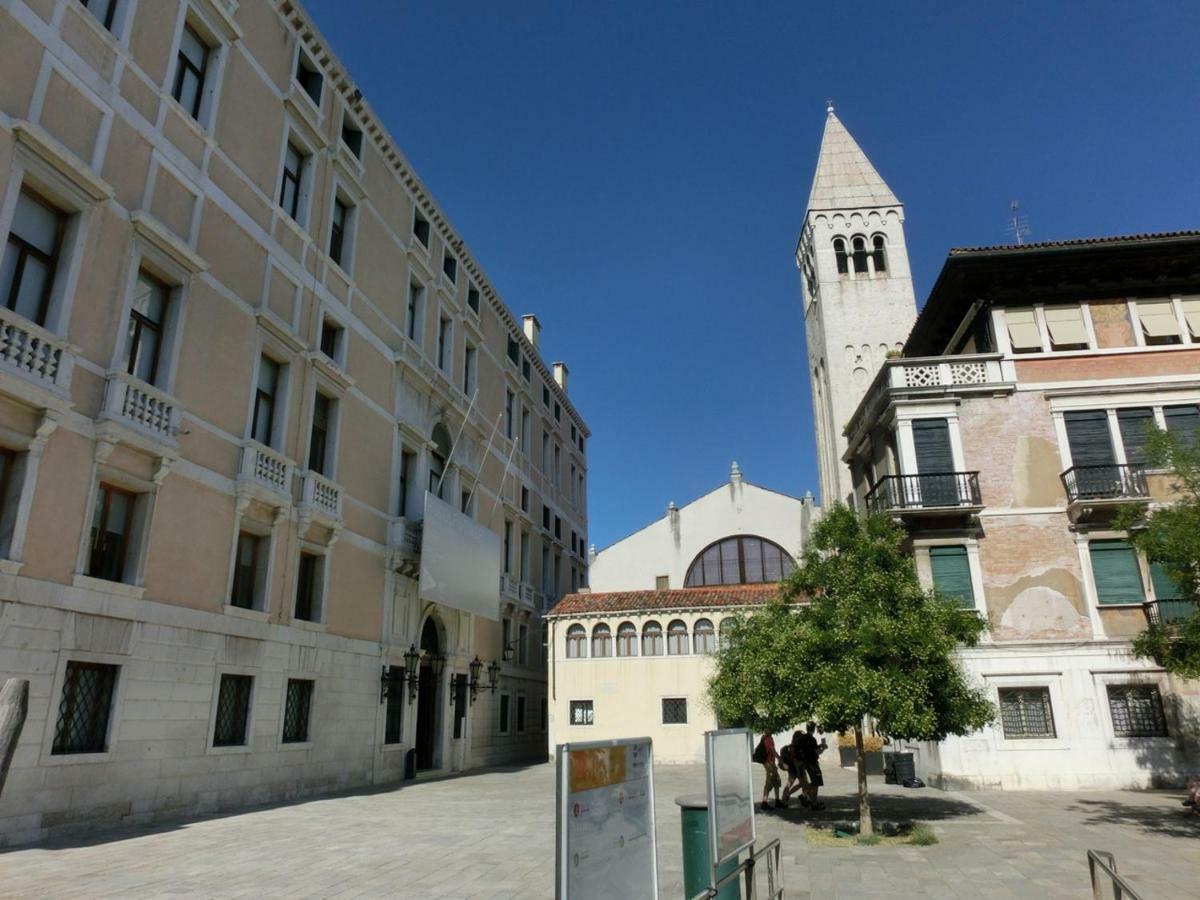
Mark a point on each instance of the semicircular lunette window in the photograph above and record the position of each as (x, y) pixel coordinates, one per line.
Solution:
(740, 560)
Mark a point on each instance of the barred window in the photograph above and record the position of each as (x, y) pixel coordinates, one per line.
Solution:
(1026, 713)
(1137, 710)
(393, 717)
(582, 713)
(85, 707)
(233, 710)
(674, 711)
(296, 710)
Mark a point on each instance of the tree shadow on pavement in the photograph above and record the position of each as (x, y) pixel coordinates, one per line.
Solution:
(924, 805)
(1159, 819)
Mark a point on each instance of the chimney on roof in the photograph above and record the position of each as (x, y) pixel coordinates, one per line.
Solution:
(735, 473)
(533, 329)
(560, 375)
(591, 554)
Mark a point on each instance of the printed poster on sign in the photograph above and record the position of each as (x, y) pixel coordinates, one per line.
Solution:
(730, 792)
(606, 821)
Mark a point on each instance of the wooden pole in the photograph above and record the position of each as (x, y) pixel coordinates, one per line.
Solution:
(14, 705)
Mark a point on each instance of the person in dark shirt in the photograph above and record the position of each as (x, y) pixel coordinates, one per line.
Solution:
(808, 751)
(789, 758)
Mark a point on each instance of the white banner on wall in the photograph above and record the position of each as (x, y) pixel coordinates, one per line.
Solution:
(460, 561)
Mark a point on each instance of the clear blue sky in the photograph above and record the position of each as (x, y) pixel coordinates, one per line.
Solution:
(636, 173)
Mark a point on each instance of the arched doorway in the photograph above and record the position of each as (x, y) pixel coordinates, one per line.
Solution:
(428, 687)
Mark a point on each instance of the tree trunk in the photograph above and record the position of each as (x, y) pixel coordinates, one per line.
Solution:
(864, 801)
(14, 704)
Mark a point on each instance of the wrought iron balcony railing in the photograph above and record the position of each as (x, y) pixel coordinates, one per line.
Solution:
(925, 492)
(1168, 612)
(1105, 482)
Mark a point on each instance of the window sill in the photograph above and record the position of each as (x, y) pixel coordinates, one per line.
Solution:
(255, 615)
(300, 230)
(308, 626)
(189, 120)
(394, 748)
(117, 588)
(1032, 744)
(227, 751)
(75, 759)
(10, 567)
(1141, 743)
(295, 745)
(1132, 604)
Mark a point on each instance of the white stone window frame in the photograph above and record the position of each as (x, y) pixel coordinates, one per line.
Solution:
(138, 548)
(255, 687)
(352, 198)
(1111, 403)
(323, 552)
(446, 313)
(1090, 594)
(327, 311)
(904, 415)
(406, 438)
(1058, 709)
(16, 506)
(123, 15)
(1004, 343)
(115, 713)
(417, 341)
(687, 705)
(1176, 300)
(218, 33)
(283, 355)
(924, 564)
(571, 723)
(503, 727)
(333, 446)
(1101, 681)
(295, 133)
(281, 745)
(265, 577)
(42, 165)
(519, 726)
(297, 89)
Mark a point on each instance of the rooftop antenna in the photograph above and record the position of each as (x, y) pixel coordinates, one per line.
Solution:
(1018, 225)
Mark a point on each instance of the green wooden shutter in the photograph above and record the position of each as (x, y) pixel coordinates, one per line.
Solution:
(952, 573)
(1089, 438)
(1135, 427)
(1184, 423)
(1165, 587)
(1115, 569)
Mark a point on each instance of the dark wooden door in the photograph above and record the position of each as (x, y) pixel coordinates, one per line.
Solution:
(426, 718)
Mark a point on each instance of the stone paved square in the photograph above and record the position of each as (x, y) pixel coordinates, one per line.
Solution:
(491, 835)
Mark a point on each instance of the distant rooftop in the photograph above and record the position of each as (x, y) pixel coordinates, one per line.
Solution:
(678, 598)
(1077, 242)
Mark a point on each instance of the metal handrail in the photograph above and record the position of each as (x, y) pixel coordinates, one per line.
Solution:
(774, 874)
(1104, 863)
(1167, 612)
(925, 490)
(1105, 482)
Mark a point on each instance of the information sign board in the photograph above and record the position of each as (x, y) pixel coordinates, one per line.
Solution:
(730, 792)
(606, 845)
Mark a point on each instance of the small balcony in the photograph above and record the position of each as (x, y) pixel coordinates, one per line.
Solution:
(34, 354)
(267, 472)
(142, 407)
(320, 498)
(1167, 613)
(935, 493)
(1095, 489)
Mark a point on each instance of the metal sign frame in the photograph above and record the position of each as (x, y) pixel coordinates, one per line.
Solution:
(709, 740)
(562, 786)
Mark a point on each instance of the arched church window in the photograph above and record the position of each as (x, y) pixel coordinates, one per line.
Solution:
(627, 637)
(677, 638)
(703, 637)
(652, 639)
(743, 559)
(839, 253)
(879, 253)
(601, 641)
(576, 642)
(860, 255)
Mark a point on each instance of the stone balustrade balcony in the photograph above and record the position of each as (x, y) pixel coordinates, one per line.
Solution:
(266, 469)
(34, 354)
(320, 497)
(135, 404)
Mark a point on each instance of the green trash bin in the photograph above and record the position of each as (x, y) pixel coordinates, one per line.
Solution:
(697, 857)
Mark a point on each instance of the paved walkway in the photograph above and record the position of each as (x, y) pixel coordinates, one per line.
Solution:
(491, 835)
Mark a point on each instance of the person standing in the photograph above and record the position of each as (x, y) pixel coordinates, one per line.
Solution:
(789, 758)
(810, 755)
(765, 754)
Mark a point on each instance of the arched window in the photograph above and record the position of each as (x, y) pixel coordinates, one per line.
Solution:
(839, 253)
(860, 255)
(576, 642)
(739, 560)
(727, 630)
(626, 639)
(677, 638)
(879, 253)
(652, 639)
(601, 641)
(437, 460)
(703, 638)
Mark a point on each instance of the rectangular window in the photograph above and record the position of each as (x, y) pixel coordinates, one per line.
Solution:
(1191, 315)
(1137, 710)
(952, 574)
(233, 710)
(520, 714)
(337, 231)
(662, 582)
(1159, 325)
(31, 257)
(262, 425)
(144, 337)
(524, 559)
(103, 10)
(514, 351)
(545, 570)
(525, 369)
(674, 711)
(524, 499)
(319, 440)
(352, 136)
(557, 466)
(444, 351)
(450, 267)
(459, 687)
(1023, 332)
(191, 70)
(504, 713)
(473, 299)
(1135, 426)
(523, 644)
(557, 412)
(112, 522)
(415, 313)
(85, 708)
(1066, 327)
(331, 339)
(1026, 713)
(1090, 440)
(1183, 422)
(421, 228)
(245, 570)
(526, 431)
(558, 527)
(296, 710)
(407, 461)
(294, 161)
(509, 424)
(1116, 573)
(393, 717)
(308, 588)
(545, 450)
(309, 77)
(507, 548)
(469, 369)
(545, 396)
(545, 517)
(465, 503)
(582, 713)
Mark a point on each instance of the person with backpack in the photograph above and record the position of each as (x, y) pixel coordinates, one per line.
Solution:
(789, 758)
(809, 752)
(765, 754)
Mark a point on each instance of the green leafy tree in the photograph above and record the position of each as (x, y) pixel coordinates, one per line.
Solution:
(852, 635)
(1169, 536)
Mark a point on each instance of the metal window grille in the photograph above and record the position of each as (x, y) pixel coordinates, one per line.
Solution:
(1137, 710)
(1026, 713)
(394, 714)
(84, 709)
(233, 710)
(674, 711)
(296, 710)
(582, 712)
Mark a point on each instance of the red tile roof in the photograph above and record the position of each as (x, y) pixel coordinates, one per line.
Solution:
(680, 598)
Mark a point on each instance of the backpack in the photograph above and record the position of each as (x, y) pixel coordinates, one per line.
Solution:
(760, 752)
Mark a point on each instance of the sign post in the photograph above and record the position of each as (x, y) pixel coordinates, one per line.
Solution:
(605, 838)
(731, 827)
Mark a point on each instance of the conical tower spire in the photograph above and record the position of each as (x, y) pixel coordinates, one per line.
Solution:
(845, 178)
